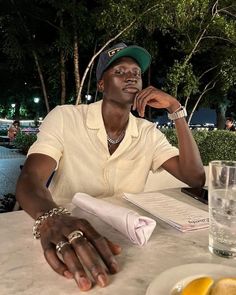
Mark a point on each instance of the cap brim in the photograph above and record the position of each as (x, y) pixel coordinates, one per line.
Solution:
(141, 55)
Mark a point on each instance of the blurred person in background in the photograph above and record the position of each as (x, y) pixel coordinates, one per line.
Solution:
(13, 130)
(229, 124)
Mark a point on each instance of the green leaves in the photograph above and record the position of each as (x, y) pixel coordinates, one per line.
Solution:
(192, 42)
(23, 141)
(213, 145)
(181, 81)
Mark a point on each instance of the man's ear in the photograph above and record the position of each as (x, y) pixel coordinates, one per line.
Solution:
(100, 86)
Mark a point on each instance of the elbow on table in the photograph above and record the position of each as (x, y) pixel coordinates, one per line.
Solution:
(196, 179)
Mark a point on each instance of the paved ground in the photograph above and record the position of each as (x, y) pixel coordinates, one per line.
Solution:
(10, 161)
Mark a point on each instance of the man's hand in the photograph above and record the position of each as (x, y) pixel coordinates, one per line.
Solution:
(155, 98)
(86, 251)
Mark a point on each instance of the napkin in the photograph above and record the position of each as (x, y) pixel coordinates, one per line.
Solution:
(137, 228)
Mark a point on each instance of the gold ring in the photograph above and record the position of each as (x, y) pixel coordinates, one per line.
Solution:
(76, 234)
(60, 245)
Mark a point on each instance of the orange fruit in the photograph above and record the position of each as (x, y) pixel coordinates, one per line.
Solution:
(200, 286)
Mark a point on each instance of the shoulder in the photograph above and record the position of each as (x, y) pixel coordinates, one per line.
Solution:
(146, 131)
(69, 108)
(146, 126)
(66, 111)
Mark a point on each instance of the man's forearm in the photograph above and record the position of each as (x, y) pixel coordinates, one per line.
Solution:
(33, 196)
(189, 156)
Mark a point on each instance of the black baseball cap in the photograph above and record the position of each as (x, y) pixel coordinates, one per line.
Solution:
(107, 57)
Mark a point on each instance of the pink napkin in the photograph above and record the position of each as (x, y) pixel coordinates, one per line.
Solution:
(137, 228)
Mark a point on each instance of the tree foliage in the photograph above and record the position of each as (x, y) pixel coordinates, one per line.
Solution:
(192, 42)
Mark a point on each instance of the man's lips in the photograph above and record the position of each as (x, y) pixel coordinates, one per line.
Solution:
(130, 89)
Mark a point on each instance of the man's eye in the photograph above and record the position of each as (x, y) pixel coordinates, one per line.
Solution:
(119, 72)
(137, 74)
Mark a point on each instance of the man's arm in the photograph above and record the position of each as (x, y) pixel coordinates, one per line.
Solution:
(31, 190)
(188, 166)
(35, 198)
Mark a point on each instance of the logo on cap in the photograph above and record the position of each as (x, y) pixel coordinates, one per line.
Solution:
(114, 51)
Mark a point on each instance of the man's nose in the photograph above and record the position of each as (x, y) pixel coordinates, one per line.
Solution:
(130, 77)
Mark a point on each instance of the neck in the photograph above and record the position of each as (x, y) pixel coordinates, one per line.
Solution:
(115, 117)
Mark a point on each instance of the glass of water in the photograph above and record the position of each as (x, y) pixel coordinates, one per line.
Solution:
(222, 208)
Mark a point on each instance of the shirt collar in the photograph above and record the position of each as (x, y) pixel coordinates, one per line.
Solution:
(95, 121)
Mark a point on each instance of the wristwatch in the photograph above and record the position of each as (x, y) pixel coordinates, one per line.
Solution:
(179, 113)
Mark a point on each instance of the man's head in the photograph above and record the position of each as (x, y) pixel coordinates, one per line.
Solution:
(16, 123)
(107, 57)
(229, 122)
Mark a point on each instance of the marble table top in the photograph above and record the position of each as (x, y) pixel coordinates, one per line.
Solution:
(24, 270)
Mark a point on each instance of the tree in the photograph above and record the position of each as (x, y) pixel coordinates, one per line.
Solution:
(182, 37)
(216, 30)
(18, 41)
(192, 44)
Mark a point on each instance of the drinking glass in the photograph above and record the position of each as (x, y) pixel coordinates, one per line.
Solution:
(222, 208)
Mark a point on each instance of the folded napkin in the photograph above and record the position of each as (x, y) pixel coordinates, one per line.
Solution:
(137, 228)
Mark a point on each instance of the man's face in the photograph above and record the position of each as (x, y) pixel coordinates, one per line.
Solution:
(121, 81)
(229, 123)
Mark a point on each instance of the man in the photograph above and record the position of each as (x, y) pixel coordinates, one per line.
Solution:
(101, 149)
(229, 124)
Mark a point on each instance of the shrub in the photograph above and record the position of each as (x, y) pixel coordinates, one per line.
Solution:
(213, 145)
(3, 132)
(219, 145)
(7, 203)
(23, 141)
(171, 136)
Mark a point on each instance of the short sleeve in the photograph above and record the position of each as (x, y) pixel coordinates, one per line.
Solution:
(163, 152)
(50, 137)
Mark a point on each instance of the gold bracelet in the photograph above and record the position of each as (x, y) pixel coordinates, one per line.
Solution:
(43, 217)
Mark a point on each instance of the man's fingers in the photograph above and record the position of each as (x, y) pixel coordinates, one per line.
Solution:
(141, 100)
(90, 259)
(76, 246)
(106, 253)
(56, 264)
(100, 245)
(115, 248)
(71, 268)
(76, 268)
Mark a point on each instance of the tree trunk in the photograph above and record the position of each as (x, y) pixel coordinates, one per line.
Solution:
(35, 57)
(197, 41)
(63, 77)
(76, 63)
(41, 80)
(17, 109)
(90, 73)
(206, 89)
(220, 116)
(62, 65)
(76, 55)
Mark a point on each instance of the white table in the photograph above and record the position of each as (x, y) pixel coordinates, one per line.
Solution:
(24, 271)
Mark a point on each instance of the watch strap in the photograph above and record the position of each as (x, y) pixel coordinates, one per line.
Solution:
(179, 113)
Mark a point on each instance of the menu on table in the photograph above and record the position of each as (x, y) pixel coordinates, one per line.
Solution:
(178, 214)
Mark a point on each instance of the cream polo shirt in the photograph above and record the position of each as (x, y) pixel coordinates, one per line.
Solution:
(75, 137)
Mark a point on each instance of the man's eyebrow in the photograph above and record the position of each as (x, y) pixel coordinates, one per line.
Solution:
(136, 67)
